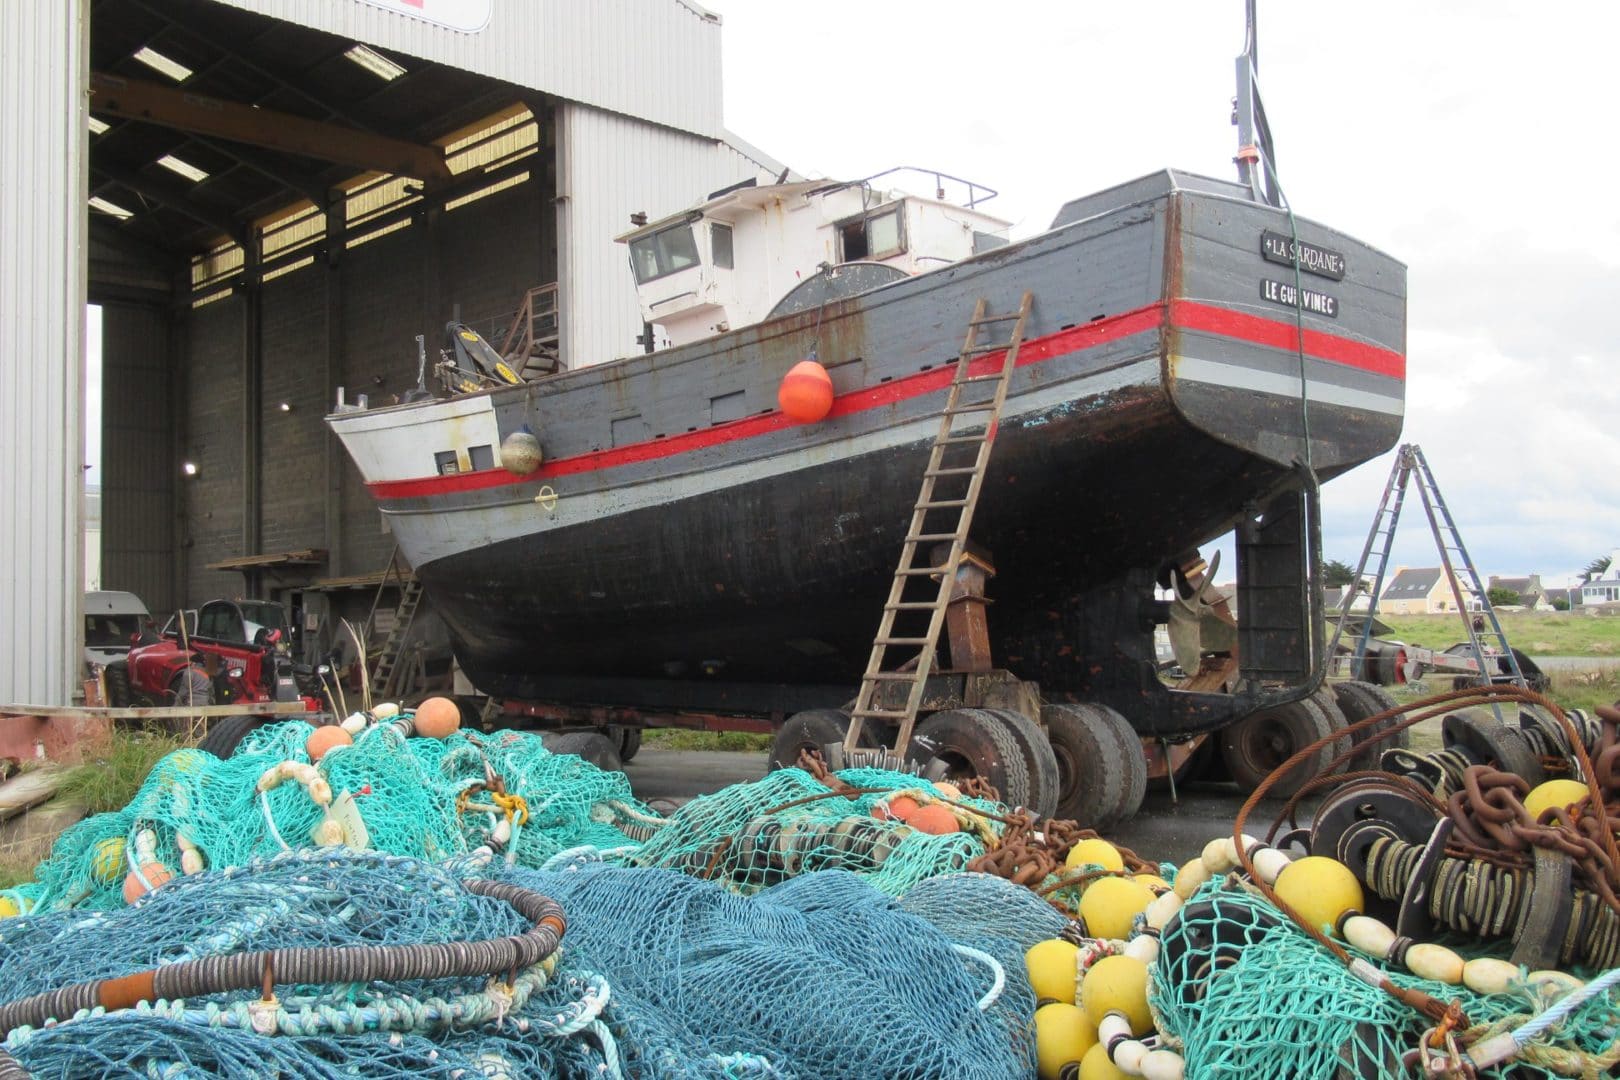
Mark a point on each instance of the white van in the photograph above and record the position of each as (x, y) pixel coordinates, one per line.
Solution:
(111, 620)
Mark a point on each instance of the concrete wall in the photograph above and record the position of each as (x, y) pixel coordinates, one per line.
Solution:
(320, 327)
(42, 268)
(139, 397)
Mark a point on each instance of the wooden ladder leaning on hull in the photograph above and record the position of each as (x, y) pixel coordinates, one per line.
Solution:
(967, 425)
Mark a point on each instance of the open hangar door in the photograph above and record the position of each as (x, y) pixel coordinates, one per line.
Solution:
(269, 199)
(276, 212)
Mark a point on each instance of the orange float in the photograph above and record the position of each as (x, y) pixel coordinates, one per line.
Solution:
(326, 738)
(935, 818)
(899, 808)
(806, 393)
(154, 872)
(437, 718)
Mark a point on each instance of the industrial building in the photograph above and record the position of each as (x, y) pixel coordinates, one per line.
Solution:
(271, 200)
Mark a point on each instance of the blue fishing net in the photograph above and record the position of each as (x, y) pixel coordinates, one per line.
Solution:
(660, 976)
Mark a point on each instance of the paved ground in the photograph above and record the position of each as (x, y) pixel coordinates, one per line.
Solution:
(1165, 830)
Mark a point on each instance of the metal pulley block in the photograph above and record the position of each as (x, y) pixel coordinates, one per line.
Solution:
(1479, 734)
(1418, 768)
(1360, 812)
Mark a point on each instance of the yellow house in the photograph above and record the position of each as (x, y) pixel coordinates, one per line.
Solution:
(1420, 591)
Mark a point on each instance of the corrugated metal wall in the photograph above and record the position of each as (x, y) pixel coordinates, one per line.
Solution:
(42, 266)
(609, 167)
(137, 469)
(654, 58)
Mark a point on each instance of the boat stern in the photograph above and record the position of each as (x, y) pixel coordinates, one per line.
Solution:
(1283, 337)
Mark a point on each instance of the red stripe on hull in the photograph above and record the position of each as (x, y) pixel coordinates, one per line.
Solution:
(1183, 314)
(1191, 315)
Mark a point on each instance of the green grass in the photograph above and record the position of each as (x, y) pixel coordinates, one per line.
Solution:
(1553, 633)
(687, 739)
(110, 781)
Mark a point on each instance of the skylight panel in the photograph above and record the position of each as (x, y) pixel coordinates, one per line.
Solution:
(184, 168)
(158, 62)
(110, 208)
(375, 62)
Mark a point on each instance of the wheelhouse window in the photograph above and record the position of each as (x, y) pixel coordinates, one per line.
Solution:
(720, 245)
(664, 252)
(876, 236)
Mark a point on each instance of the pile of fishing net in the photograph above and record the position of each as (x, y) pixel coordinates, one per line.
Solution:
(429, 798)
(1242, 992)
(659, 975)
(751, 836)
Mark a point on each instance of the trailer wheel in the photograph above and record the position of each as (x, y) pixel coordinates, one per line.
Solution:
(1092, 775)
(1327, 703)
(1254, 746)
(1040, 757)
(224, 737)
(629, 743)
(813, 729)
(960, 744)
(1131, 757)
(1359, 700)
(592, 746)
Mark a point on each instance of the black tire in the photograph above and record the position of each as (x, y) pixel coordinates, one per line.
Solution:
(960, 744)
(1131, 756)
(227, 734)
(117, 679)
(629, 743)
(1255, 745)
(1325, 700)
(1359, 700)
(1040, 760)
(593, 746)
(1092, 775)
(812, 729)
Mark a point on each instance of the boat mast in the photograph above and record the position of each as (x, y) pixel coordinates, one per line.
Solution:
(1256, 156)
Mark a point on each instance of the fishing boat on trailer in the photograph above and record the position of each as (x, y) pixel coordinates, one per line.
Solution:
(654, 531)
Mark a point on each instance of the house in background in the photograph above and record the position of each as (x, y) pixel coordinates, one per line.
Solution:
(1531, 593)
(1605, 590)
(1571, 597)
(1419, 591)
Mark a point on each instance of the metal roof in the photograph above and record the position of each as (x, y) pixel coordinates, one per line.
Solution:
(258, 115)
(1413, 583)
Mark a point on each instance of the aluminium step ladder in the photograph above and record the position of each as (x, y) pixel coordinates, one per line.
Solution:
(1410, 463)
(914, 614)
(385, 675)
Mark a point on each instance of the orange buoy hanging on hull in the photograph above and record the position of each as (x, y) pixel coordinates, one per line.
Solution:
(806, 393)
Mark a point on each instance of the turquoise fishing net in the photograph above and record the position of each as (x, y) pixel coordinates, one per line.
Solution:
(407, 792)
(752, 836)
(1244, 993)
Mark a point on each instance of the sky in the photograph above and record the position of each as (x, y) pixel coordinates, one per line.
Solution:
(1472, 141)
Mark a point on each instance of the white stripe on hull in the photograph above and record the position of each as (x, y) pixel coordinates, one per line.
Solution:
(1240, 377)
(436, 533)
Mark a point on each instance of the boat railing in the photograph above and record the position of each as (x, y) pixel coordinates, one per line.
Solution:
(966, 193)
